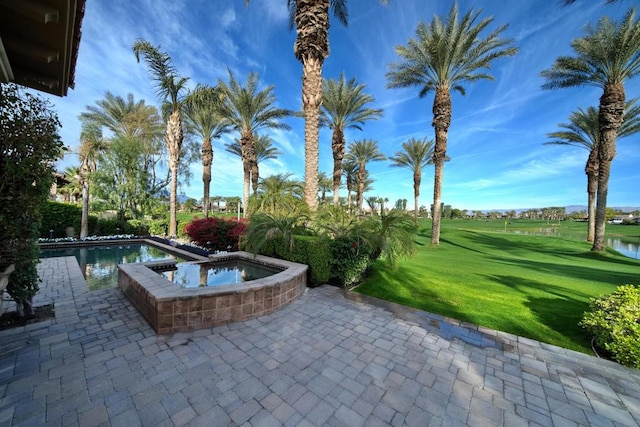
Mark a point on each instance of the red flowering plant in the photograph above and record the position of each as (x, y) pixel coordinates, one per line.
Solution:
(216, 234)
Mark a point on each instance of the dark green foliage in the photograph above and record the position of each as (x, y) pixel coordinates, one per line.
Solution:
(58, 217)
(614, 320)
(314, 251)
(29, 146)
(350, 259)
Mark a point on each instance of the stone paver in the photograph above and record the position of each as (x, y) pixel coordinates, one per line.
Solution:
(328, 358)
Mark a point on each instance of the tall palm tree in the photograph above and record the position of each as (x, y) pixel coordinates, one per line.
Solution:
(350, 171)
(170, 87)
(264, 149)
(202, 110)
(325, 184)
(72, 189)
(582, 131)
(605, 57)
(362, 152)
(248, 111)
(123, 117)
(91, 145)
(416, 154)
(442, 57)
(311, 19)
(344, 106)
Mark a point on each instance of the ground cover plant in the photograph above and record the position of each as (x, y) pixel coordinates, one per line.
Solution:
(537, 286)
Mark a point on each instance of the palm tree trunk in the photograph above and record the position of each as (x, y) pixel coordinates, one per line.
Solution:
(610, 116)
(311, 101)
(337, 146)
(84, 223)
(441, 122)
(245, 142)
(207, 160)
(174, 145)
(416, 191)
(255, 177)
(591, 169)
(362, 174)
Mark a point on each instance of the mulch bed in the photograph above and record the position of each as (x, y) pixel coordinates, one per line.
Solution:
(11, 319)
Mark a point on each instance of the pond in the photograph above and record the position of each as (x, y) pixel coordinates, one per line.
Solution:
(99, 264)
(627, 246)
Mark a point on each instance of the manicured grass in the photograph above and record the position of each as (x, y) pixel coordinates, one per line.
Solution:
(530, 285)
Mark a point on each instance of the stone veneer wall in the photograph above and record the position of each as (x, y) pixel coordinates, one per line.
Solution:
(169, 308)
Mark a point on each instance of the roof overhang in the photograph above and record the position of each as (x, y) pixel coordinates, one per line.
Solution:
(39, 41)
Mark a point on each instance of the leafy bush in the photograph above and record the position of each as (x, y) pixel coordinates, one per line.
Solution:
(215, 233)
(58, 217)
(29, 145)
(614, 320)
(313, 251)
(349, 260)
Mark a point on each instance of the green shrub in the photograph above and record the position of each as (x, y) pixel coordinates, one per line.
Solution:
(349, 260)
(58, 217)
(614, 320)
(313, 251)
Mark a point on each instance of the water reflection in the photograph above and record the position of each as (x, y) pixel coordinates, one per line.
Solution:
(187, 275)
(627, 246)
(99, 264)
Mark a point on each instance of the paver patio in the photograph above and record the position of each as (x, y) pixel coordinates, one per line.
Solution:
(326, 359)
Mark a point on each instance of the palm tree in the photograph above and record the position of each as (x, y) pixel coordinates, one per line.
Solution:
(443, 57)
(416, 154)
(362, 152)
(606, 57)
(202, 110)
(72, 189)
(169, 86)
(311, 19)
(344, 106)
(264, 150)
(91, 145)
(248, 111)
(350, 170)
(279, 194)
(122, 117)
(325, 184)
(582, 131)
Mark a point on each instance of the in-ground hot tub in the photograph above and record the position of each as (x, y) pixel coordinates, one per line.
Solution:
(170, 308)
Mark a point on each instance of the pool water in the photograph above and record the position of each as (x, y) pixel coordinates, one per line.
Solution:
(187, 275)
(99, 264)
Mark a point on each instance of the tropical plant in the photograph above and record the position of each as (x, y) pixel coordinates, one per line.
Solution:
(264, 150)
(415, 155)
(248, 111)
(170, 87)
(91, 146)
(362, 152)
(582, 131)
(202, 111)
(350, 171)
(390, 235)
(442, 57)
(605, 57)
(265, 228)
(344, 106)
(72, 189)
(279, 194)
(29, 146)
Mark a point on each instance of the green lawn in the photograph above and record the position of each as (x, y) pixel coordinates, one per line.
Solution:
(537, 286)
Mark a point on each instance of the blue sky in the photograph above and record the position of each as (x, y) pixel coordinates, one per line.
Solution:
(496, 135)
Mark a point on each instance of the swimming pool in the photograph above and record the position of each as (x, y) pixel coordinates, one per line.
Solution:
(236, 271)
(99, 262)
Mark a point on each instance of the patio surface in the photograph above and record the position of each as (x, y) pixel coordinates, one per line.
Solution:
(325, 359)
